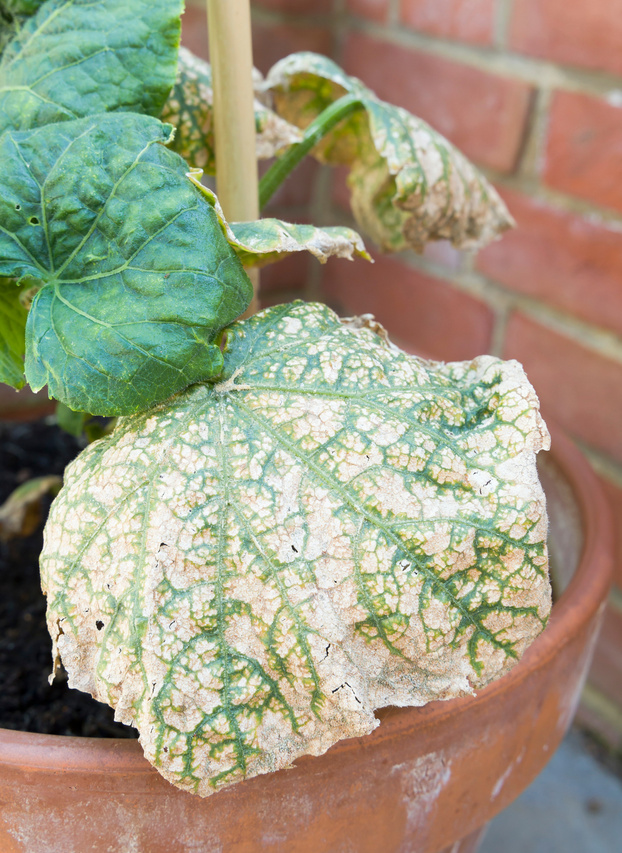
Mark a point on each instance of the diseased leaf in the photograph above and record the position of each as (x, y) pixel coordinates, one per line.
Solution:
(268, 240)
(189, 110)
(265, 241)
(408, 184)
(22, 512)
(124, 59)
(246, 573)
(13, 317)
(135, 276)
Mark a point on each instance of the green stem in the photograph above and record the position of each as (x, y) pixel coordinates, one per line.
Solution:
(316, 131)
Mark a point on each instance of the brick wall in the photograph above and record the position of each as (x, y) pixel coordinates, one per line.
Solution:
(531, 90)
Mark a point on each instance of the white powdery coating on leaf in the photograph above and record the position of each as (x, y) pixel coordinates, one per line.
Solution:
(246, 573)
(267, 240)
(409, 184)
(189, 109)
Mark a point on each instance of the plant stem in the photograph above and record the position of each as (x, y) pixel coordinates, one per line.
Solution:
(231, 56)
(315, 132)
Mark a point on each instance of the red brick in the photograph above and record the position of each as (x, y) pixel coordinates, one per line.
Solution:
(466, 20)
(575, 32)
(295, 7)
(422, 313)
(288, 275)
(340, 192)
(606, 670)
(24, 405)
(578, 387)
(271, 43)
(194, 30)
(484, 114)
(559, 258)
(614, 493)
(443, 253)
(584, 149)
(374, 10)
(296, 190)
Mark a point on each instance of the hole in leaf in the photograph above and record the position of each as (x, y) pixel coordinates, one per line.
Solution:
(33, 220)
(99, 624)
(18, 207)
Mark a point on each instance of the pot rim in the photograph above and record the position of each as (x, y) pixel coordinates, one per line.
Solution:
(585, 594)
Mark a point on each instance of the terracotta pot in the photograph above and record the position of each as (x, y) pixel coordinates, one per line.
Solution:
(427, 780)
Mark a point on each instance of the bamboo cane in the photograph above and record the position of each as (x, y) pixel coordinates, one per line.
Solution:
(231, 57)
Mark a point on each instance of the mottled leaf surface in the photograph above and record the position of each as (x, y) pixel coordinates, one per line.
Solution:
(408, 184)
(268, 240)
(189, 110)
(265, 241)
(75, 58)
(13, 317)
(335, 526)
(133, 273)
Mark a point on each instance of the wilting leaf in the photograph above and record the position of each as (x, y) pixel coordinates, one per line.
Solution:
(22, 512)
(189, 110)
(13, 317)
(336, 526)
(265, 241)
(268, 240)
(408, 184)
(75, 58)
(135, 278)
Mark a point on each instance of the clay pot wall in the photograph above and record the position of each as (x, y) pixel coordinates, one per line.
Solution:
(425, 781)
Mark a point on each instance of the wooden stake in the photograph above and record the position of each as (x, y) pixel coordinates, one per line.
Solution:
(231, 57)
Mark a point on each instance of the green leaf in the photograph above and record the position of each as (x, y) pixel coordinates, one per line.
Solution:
(135, 276)
(70, 421)
(268, 240)
(336, 526)
(20, 7)
(265, 241)
(13, 317)
(189, 110)
(75, 58)
(13, 13)
(408, 184)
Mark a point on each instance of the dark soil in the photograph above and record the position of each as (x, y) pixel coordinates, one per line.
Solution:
(27, 701)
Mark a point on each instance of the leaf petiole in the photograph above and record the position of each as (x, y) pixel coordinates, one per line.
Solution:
(314, 133)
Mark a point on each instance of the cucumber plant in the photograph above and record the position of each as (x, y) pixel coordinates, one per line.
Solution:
(293, 523)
